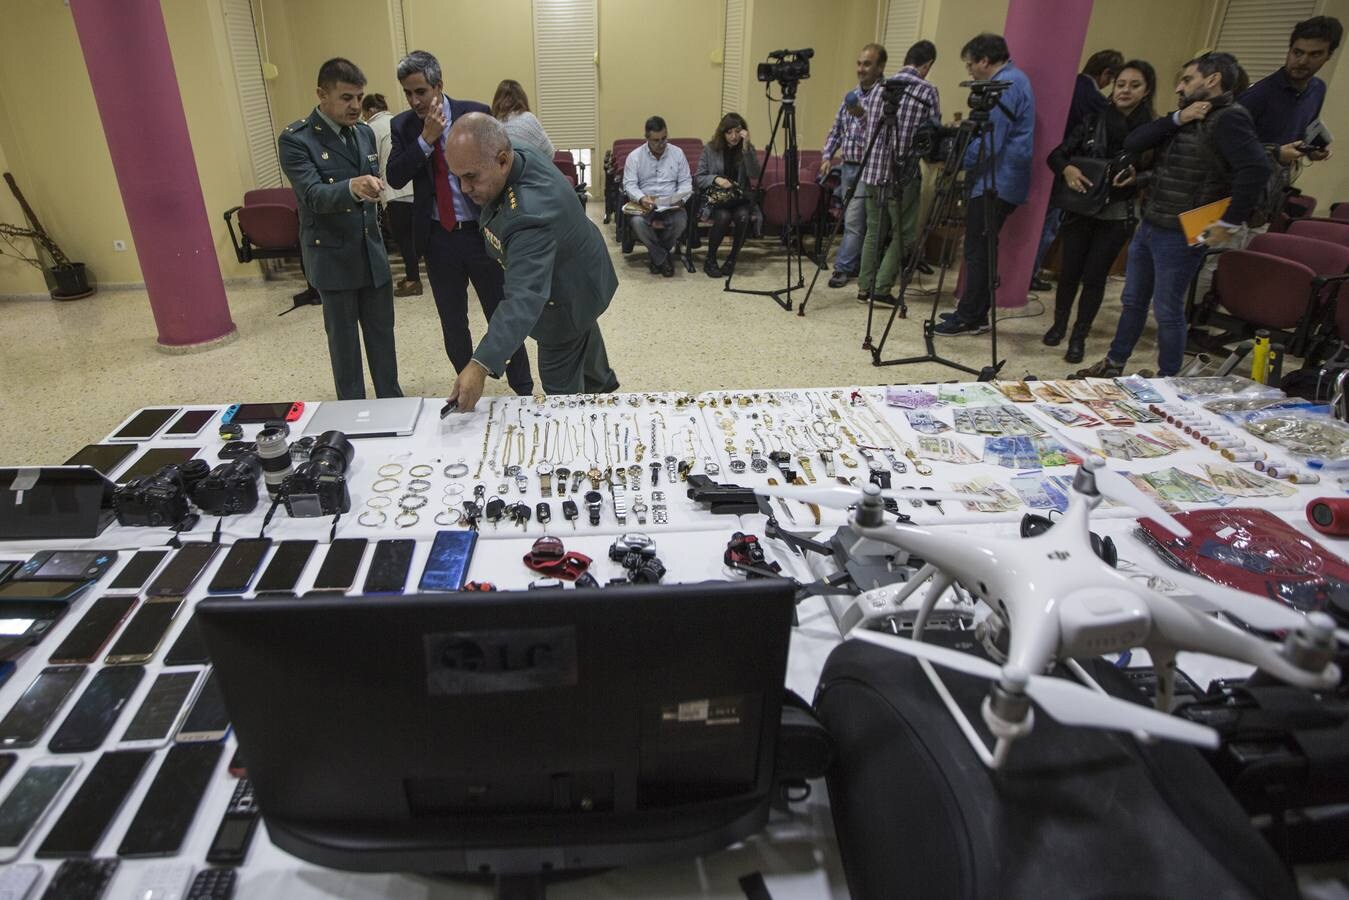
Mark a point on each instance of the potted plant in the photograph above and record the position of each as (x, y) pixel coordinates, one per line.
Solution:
(67, 280)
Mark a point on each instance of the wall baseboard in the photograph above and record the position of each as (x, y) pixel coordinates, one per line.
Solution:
(124, 286)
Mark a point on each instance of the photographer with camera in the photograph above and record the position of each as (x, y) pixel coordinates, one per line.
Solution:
(1096, 186)
(912, 100)
(848, 135)
(995, 192)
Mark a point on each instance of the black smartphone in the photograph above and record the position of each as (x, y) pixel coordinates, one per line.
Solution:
(189, 649)
(156, 458)
(87, 639)
(81, 879)
(183, 570)
(286, 567)
(103, 457)
(96, 803)
(141, 638)
(189, 423)
(28, 802)
(208, 719)
(144, 425)
(338, 572)
(451, 552)
(229, 847)
(97, 710)
(389, 566)
(239, 566)
(136, 572)
(29, 717)
(170, 805)
(67, 565)
(160, 710)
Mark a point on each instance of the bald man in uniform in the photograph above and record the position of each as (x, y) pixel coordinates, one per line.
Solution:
(559, 277)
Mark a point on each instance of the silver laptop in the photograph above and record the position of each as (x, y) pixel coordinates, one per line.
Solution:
(391, 417)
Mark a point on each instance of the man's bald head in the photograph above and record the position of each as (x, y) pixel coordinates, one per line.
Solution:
(478, 151)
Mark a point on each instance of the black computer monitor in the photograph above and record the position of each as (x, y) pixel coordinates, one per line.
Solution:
(507, 734)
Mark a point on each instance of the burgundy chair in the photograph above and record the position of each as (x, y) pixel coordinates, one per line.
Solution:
(614, 198)
(1280, 282)
(777, 211)
(269, 225)
(1332, 230)
(1339, 212)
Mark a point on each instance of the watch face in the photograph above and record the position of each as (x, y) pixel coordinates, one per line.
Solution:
(594, 498)
(544, 468)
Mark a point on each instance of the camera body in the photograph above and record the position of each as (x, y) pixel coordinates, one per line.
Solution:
(231, 488)
(318, 487)
(631, 549)
(786, 66)
(158, 500)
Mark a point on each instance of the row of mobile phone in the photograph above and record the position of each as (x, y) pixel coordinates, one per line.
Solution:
(89, 879)
(148, 422)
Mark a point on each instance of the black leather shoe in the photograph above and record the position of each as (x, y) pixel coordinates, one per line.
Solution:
(668, 269)
(1054, 335)
(712, 270)
(1039, 284)
(838, 279)
(308, 295)
(728, 267)
(1077, 348)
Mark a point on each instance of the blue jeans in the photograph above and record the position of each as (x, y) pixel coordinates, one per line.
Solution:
(1053, 219)
(1160, 268)
(854, 221)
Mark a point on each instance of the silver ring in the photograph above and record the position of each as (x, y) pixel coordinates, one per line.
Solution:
(406, 502)
(406, 514)
(419, 485)
(379, 502)
(458, 518)
(389, 470)
(372, 512)
(392, 485)
(453, 490)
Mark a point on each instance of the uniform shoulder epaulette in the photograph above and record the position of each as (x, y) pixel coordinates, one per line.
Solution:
(296, 125)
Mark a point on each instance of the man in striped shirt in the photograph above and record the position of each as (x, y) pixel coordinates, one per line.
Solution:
(897, 217)
(847, 134)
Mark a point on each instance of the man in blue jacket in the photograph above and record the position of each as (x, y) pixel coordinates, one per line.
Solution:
(996, 190)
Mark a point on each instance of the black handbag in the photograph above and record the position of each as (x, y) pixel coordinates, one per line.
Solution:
(1097, 169)
(725, 197)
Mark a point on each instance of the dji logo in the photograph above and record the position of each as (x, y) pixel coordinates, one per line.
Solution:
(1060, 555)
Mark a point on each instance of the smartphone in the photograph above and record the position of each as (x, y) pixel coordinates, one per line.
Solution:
(87, 639)
(183, 570)
(170, 805)
(103, 457)
(160, 711)
(136, 572)
(30, 716)
(338, 572)
(257, 413)
(389, 566)
(139, 641)
(451, 553)
(239, 566)
(156, 458)
(144, 425)
(29, 800)
(82, 879)
(95, 805)
(189, 649)
(97, 710)
(67, 565)
(53, 591)
(17, 881)
(286, 567)
(208, 719)
(189, 423)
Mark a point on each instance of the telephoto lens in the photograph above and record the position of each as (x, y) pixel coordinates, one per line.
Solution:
(333, 451)
(274, 454)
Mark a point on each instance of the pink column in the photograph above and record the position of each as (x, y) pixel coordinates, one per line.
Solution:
(126, 51)
(1046, 38)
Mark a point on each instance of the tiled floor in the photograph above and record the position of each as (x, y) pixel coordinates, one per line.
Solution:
(69, 372)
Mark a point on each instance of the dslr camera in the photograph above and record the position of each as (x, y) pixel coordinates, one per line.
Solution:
(160, 499)
(231, 488)
(318, 486)
(786, 66)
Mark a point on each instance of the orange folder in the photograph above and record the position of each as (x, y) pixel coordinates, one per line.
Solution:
(1194, 222)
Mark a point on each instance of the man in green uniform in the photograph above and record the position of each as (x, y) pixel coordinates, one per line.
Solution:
(559, 277)
(333, 163)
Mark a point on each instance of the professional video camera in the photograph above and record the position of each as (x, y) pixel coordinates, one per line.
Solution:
(984, 94)
(231, 488)
(159, 499)
(786, 66)
(319, 487)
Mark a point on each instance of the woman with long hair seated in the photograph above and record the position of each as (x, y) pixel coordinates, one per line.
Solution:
(725, 168)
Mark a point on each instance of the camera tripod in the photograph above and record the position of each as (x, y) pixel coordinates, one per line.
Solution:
(786, 123)
(977, 128)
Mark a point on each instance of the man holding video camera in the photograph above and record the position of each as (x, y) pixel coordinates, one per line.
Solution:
(995, 190)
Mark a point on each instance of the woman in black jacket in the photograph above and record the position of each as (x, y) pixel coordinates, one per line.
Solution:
(727, 163)
(1090, 242)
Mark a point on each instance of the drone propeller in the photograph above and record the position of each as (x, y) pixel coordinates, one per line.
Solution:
(839, 497)
(1064, 701)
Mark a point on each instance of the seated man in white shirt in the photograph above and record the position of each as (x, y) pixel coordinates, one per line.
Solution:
(653, 174)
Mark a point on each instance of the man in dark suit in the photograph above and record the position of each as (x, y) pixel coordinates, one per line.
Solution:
(559, 275)
(454, 252)
(333, 164)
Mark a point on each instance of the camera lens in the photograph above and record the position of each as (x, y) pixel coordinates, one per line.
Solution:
(333, 451)
(274, 455)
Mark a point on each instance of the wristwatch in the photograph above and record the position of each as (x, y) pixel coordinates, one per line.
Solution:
(639, 509)
(594, 502)
(563, 473)
(545, 472)
(522, 482)
(620, 498)
(595, 476)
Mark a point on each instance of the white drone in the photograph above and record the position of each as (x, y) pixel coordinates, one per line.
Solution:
(1059, 601)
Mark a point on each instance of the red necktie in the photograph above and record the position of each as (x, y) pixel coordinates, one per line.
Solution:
(444, 196)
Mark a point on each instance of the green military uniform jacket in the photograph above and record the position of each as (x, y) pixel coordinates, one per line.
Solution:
(334, 226)
(559, 277)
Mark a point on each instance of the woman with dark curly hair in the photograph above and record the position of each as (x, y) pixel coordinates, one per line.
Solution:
(727, 164)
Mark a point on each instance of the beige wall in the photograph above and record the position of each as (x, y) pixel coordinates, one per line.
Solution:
(16, 276)
(474, 60)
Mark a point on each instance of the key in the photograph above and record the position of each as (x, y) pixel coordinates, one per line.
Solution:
(496, 508)
(544, 514)
(936, 503)
(523, 514)
(570, 512)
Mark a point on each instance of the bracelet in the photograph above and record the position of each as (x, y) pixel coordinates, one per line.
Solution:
(389, 470)
(456, 470)
(372, 512)
(379, 502)
(409, 502)
(453, 490)
(443, 518)
(419, 485)
(399, 519)
(391, 482)
(421, 470)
